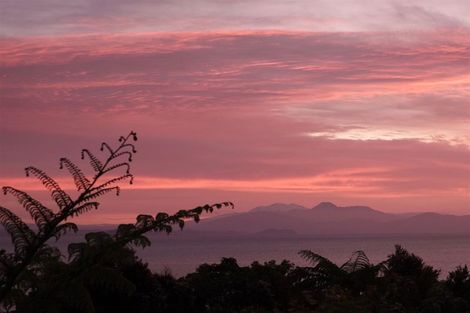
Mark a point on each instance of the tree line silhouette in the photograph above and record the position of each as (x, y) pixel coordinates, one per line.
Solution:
(103, 273)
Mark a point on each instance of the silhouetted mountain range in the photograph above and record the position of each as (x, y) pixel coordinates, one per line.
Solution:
(324, 219)
(327, 218)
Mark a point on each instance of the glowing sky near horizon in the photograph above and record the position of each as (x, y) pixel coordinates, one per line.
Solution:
(254, 102)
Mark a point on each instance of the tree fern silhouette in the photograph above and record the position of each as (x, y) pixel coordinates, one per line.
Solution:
(356, 273)
(30, 246)
(27, 242)
(357, 262)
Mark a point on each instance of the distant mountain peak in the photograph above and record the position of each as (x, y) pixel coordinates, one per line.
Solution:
(280, 220)
(325, 206)
(278, 207)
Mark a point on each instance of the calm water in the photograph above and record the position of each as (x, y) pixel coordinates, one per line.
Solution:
(183, 252)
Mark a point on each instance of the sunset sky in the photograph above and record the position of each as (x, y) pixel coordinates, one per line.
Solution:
(255, 102)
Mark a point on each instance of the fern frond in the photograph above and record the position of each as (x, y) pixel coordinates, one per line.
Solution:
(128, 233)
(105, 145)
(58, 195)
(319, 263)
(141, 241)
(21, 235)
(144, 221)
(163, 228)
(125, 230)
(79, 178)
(358, 261)
(41, 215)
(164, 222)
(98, 239)
(115, 180)
(130, 146)
(94, 161)
(129, 155)
(84, 208)
(109, 169)
(134, 135)
(160, 217)
(98, 193)
(64, 228)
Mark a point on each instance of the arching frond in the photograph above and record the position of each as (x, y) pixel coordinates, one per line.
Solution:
(94, 161)
(358, 261)
(98, 239)
(84, 208)
(58, 195)
(124, 230)
(130, 146)
(141, 241)
(116, 180)
(79, 178)
(21, 235)
(109, 169)
(134, 135)
(128, 153)
(64, 228)
(128, 233)
(144, 221)
(314, 258)
(318, 262)
(41, 215)
(160, 217)
(108, 148)
(225, 204)
(98, 193)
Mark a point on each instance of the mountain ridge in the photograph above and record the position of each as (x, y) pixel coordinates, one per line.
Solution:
(326, 218)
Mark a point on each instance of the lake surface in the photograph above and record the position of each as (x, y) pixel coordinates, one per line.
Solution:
(182, 252)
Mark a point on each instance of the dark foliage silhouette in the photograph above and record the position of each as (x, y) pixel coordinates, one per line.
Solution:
(123, 283)
(33, 259)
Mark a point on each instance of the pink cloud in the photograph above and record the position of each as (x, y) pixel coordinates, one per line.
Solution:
(296, 114)
(46, 17)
